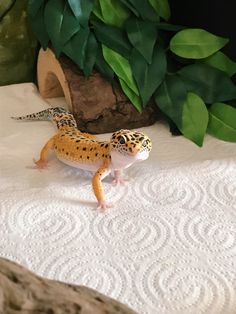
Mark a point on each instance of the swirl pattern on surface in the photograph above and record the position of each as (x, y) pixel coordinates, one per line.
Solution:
(179, 285)
(207, 234)
(169, 188)
(132, 233)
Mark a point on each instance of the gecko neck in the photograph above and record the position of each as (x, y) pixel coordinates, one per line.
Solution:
(120, 161)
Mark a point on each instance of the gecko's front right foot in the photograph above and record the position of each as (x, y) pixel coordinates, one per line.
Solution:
(102, 205)
(41, 164)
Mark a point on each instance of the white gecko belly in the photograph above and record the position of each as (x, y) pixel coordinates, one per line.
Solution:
(82, 165)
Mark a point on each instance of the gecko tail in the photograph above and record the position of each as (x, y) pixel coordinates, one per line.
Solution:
(58, 115)
(44, 115)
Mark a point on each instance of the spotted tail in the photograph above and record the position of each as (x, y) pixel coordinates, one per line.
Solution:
(44, 115)
(58, 115)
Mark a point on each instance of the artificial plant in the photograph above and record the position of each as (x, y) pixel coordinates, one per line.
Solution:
(182, 70)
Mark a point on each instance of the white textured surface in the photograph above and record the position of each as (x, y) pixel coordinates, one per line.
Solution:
(168, 245)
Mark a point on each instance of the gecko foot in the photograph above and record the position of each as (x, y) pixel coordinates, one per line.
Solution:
(102, 205)
(40, 164)
(120, 181)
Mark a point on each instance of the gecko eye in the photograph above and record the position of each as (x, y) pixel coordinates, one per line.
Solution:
(122, 140)
(145, 143)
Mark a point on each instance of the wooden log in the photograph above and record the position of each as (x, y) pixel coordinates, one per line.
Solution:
(97, 105)
(23, 292)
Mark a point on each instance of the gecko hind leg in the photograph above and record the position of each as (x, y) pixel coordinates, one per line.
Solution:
(42, 163)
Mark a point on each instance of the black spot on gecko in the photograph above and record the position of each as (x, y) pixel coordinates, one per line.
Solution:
(106, 146)
(87, 157)
(77, 141)
(84, 148)
(96, 154)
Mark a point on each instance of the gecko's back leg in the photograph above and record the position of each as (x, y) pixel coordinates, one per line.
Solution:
(42, 162)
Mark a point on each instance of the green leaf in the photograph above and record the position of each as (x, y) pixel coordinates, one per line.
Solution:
(34, 6)
(162, 8)
(220, 61)
(70, 26)
(130, 7)
(53, 16)
(222, 122)
(75, 6)
(148, 77)
(194, 119)
(121, 67)
(136, 101)
(170, 98)
(196, 43)
(113, 37)
(142, 35)
(102, 66)
(113, 12)
(91, 54)
(76, 47)
(209, 83)
(61, 23)
(39, 28)
(169, 27)
(82, 10)
(97, 11)
(145, 10)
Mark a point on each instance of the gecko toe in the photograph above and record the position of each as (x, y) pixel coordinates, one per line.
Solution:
(120, 181)
(102, 205)
(40, 164)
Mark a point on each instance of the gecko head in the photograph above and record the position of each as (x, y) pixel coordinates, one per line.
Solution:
(133, 144)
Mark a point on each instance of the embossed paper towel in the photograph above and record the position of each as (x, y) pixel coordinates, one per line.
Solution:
(167, 246)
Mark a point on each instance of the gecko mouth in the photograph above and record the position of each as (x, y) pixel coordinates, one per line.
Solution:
(132, 153)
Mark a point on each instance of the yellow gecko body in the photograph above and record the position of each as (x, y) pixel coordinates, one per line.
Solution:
(85, 151)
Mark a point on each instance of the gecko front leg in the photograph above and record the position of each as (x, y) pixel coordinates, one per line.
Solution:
(119, 179)
(101, 173)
